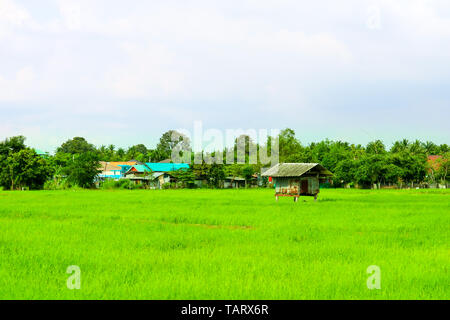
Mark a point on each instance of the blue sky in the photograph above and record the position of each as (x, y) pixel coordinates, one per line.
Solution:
(122, 73)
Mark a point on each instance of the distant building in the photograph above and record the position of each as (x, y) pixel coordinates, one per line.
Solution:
(114, 170)
(234, 182)
(109, 171)
(166, 167)
(153, 175)
(297, 179)
(42, 154)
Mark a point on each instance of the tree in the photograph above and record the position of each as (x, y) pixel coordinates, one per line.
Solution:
(216, 175)
(247, 173)
(20, 166)
(120, 155)
(430, 148)
(400, 146)
(12, 145)
(26, 169)
(83, 169)
(443, 167)
(376, 147)
(332, 153)
(168, 141)
(186, 177)
(290, 147)
(138, 151)
(413, 166)
(371, 170)
(76, 145)
(345, 172)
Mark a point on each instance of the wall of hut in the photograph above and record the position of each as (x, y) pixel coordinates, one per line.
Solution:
(297, 185)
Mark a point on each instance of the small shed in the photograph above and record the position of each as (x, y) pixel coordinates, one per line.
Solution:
(297, 179)
(234, 182)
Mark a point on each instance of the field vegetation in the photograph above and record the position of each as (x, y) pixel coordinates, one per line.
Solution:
(224, 244)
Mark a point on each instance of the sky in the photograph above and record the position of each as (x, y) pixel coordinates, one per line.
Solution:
(124, 72)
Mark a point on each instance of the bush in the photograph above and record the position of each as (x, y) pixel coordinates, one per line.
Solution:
(169, 185)
(120, 184)
(57, 185)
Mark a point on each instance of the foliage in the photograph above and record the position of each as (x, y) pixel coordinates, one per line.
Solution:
(168, 142)
(373, 165)
(119, 184)
(21, 167)
(186, 177)
(216, 175)
(76, 145)
(83, 169)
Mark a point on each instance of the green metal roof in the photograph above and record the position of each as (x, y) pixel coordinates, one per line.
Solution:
(40, 151)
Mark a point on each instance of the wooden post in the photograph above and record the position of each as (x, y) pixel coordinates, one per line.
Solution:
(276, 198)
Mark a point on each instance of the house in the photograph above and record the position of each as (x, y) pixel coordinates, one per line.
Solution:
(153, 175)
(42, 154)
(297, 179)
(162, 172)
(109, 171)
(234, 182)
(138, 174)
(113, 170)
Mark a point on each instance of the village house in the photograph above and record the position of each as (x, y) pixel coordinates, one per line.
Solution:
(113, 170)
(42, 154)
(139, 174)
(234, 182)
(297, 179)
(153, 175)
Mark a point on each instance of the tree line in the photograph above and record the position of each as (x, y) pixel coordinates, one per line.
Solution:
(76, 162)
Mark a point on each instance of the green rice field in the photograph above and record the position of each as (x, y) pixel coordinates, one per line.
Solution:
(224, 244)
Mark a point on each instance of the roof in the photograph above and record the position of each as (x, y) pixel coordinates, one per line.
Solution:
(166, 161)
(140, 168)
(295, 170)
(40, 152)
(165, 167)
(157, 174)
(235, 178)
(109, 166)
(123, 163)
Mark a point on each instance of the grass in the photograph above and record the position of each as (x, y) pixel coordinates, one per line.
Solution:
(224, 244)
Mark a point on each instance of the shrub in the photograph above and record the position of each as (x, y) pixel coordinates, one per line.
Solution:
(57, 185)
(120, 184)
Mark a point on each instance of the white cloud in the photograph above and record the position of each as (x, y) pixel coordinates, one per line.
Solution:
(19, 86)
(12, 13)
(221, 59)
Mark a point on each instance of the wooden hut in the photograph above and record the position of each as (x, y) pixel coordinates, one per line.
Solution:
(297, 179)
